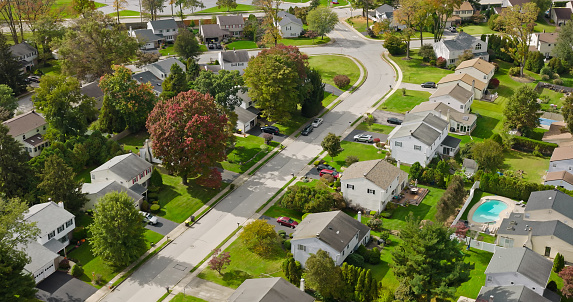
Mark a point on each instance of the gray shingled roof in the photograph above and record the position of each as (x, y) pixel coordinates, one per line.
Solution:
(235, 56)
(269, 290)
(427, 118)
(451, 141)
(384, 8)
(39, 256)
(48, 216)
(470, 164)
(420, 131)
(455, 91)
(23, 123)
(461, 42)
(149, 77)
(512, 293)
(515, 225)
(163, 24)
(92, 90)
(146, 35)
(22, 49)
(212, 31)
(520, 260)
(551, 200)
(230, 20)
(126, 166)
(334, 228)
(562, 13)
(378, 171)
(165, 65)
(439, 107)
(286, 18)
(244, 115)
(102, 188)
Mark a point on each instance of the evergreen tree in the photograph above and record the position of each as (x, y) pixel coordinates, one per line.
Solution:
(15, 173)
(10, 73)
(58, 183)
(175, 83)
(313, 94)
(558, 263)
(186, 45)
(323, 276)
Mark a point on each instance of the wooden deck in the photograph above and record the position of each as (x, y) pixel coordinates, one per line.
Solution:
(410, 198)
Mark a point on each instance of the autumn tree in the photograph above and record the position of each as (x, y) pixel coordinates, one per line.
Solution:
(152, 7)
(219, 260)
(567, 275)
(83, 7)
(488, 154)
(229, 4)
(564, 47)
(365, 5)
(323, 276)
(189, 133)
(331, 144)
(186, 45)
(8, 103)
(322, 20)
(270, 20)
(10, 73)
(57, 181)
(175, 83)
(260, 237)
(521, 111)
(92, 45)
(440, 11)
(223, 87)
(518, 24)
(407, 15)
(119, 5)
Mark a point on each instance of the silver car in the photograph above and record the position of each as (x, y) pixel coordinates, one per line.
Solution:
(367, 138)
(148, 218)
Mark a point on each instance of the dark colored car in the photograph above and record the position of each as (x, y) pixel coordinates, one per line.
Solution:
(211, 46)
(395, 121)
(35, 79)
(331, 172)
(429, 85)
(286, 221)
(218, 46)
(270, 129)
(323, 167)
(307, 130)
(453, 29)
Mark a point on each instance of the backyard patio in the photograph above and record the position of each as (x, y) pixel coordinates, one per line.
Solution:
(410, 195)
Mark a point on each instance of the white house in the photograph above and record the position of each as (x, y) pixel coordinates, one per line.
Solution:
(515, 293)
(95, 191)
(25, 54)
(29, 129)
(561, 15)
(477, 68)
(234, 24)
(544, 42)
(466, 81)
(162, 69)
(458, 122)
(246, 119)
(455, 96)
(274, 289)
(384, 12)
(561, 160)
(147, 38)
(166, 28)
(129, 170)
(452, 49)
(289, 25)
(372, 184)
(56, 225)
(234, 60)
(561, 179)
(334, 232)
(465, 11)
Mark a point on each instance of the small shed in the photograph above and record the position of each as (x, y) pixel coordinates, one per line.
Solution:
(470, 166)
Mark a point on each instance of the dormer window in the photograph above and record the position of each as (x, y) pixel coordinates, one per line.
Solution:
(478, 46)
(24, 136)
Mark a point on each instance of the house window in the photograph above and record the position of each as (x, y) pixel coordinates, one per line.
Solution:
(24, 136)
(69, 222)
(61, 228)
(478, 46)
(452, 61)
(416, 147)
(398, 144)
(51, 235)
(349, 186)
(461, 106)
(302, 247)
(371, 191)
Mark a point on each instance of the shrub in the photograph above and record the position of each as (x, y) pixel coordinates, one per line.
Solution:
(493, 83)
(514, 71)
(552, 286)
(558, 82)
(98, 279)
(152, 196)
(441, 62)
(337, 183)
(327, 178)
(558, 263)
(403, 91)
(154, 208)
(316, 163)
(433, 62)
(375, 224)
(557, 65)
(526, 144)
(145, 206)
(350, 160)
(535, 61)
(355, 259)
(64, 264)
(374, 256)
(80, 233)
(376, 140)
(386, 215)
(77, 271)
(427, 53)
(546, 71)
(155, 180)
(268, 138)
(282, 233)
(555, 76)
(287, 244)
(545, 77)
(341, 80)
(385, 235)
(395, 45)
(496, 66)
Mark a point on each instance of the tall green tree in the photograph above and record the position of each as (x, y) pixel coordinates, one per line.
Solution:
(186, 44)
(67, 111)
(331, 144)
(227, 3)
(10, 73)
(152, 8)
(117, 232)
(223, 87)
(518, 24)
(192, 71)
(451, 199)
(8, 103)
(428, 263)
(313, 93)
(322, 20)
(323, 276)
(440, 11)
(260, 237)
(521, 111)
(270, 20)
(543, 6)
(47, 30)
(57, 181)
(564, 47)
(292, 270)
(252, 29)
(488, 154)
(83, 6)
(175, 83)
(15, 173)
(567, 111)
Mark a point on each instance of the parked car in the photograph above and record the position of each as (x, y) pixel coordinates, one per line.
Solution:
(218, 46)
(286, 221)
(211, 46)
(35, 79)
(429, 85)
(335, 2)
(148, 218)
(453, 29)
(270, 129)
(330, 172)
(363, 138)
(317, 122)
(393, 120)
(324, 167)
(307, 130)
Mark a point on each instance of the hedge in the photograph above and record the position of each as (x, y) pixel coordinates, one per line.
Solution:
(529, 145)
(514, 188)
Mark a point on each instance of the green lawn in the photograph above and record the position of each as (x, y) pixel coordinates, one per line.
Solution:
(362, 151)
(554, 97)
(289, 127)
(327, 3)
(245, 149)
(296, 1)
(425, 210)
(302, 41)
(134, 141)
(328, 98)
(541, 26)
(330, 66)
(246, 265)
(359, 23)
(180, 297)
(277, 211)
(239, 8)
(533, 166)
(242, 45)
(53, 68)
(64, 8)
(375, 128)
(84, 175)
(490, 120)
(480, 259)
(555, 277)
(125, 13)
(417, 72)
(402, 103)
(480, 29)
(167, 51)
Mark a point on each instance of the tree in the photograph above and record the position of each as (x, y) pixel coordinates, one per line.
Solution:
(416, 171)
(567, 275)
(521, 111)
(307, 199)
(15, 172)
(331, 144)
(117, 231)
(535, 61)
(394, 44)
(186, 45)
(145, 58)
(567, 111)
(9, 13)
(189, 133)
(151, 7)
(518, 24)
(126, 104)
(270, 20)
(322, 20)
(441, 10)
(31, 12)
(83, 6)
(227, 3)
(543, 6)
(175, 83)
(292, 270)
(260, 237)
(252, 28)
(466, 55)
(564, 47)
(119, 5)
(8, 102)
(93, 44)
(428, 263)
(323, 276)
(223, 87)
(427, 53)
(47, 29)
(219, 260)
(488, 154)
(192, 4)
(65, 108)
(313, 94)
(10, 73)
(407, 15)
(57, 181)
(451, 199)
(558, 263)
(15, 234)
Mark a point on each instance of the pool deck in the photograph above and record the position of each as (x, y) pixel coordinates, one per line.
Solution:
(512, 207)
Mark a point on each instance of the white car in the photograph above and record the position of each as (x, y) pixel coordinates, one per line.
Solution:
(148, 218)
(317, 122)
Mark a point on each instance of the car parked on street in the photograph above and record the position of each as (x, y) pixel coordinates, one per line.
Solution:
(34, 78)
(429, 85)
(367, 138)
(330, 172)
(453, 29)
(286, 221)
(307, 130)
(148, 218)
(323, 167)
(270, 129)
(317, 122)
(393, 120)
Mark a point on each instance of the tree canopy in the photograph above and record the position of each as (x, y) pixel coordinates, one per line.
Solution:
(322, 20)
(175, 83)
(10, 73)
(307, 199)
(488, 154)
(8, 103)
(223, 87)
(518, 24)
(331, 144)
(564, 47)
(186, 44)
(521, 110)
(15, 173)
(323, 275)
(260, 237)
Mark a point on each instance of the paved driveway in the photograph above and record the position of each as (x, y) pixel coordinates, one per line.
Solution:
(381, 117)
(417, 87)
(256, 131)
(273, 221)
(61, 287)
(350, 137)
(163, 226)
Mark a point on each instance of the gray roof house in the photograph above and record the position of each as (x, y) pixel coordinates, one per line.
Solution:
(458, 121)
(92, 90)
(549, 205)
(148, 77)
(289, 25)
(274, 289)
(213, 33)
(147, 38)
(455, 96)
(95, 191)
(25, 54)
(129, 170)
(334, 232)
(162, 69)
(234, 24)
(515, 293)
(166, 28)
(43, 262)
(452, 49)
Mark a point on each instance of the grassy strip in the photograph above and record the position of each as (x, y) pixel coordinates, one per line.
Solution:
(133, 269)
(263, 163)
(275, 195)
(356, 121)
(377, 102)
(328, 109)
(218, 247)
(163, 297)
(315, 158)
(214, 204)
(363, 78)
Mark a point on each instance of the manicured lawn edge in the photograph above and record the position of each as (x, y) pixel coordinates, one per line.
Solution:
(356, 120)
(315, 158)
(363, 78)
(163, 297)
(275, 195)
(140, 263)
(218, 247)
(264, 162)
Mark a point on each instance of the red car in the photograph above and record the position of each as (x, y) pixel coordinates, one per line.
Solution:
(333, 173)
(288, 222)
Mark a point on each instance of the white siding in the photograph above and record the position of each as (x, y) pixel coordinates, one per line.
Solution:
(561, 165)
(559, 183)
(454, 103)
(359, 191)
(474, 72)
(105, 175)
(44, 272)
(290, 30)
(312, 246)
(477, 93)
(514, 278)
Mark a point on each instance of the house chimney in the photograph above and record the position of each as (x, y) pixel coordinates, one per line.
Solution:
(61, 204)
(448, 116)
(49, 199)
(473, 86)
(491, 298)
(302, 284)
(359, 218)
(234, 50)
(398, 164)
(486, 39)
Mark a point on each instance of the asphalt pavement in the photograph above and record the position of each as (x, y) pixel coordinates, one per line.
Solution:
(163, 226)
(350, 136)
(61, 287)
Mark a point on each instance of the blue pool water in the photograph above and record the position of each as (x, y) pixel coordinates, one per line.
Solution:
(546, 121)
(489, 211)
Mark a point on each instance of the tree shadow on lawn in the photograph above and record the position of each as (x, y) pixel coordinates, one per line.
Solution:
(236, 277)
(485, 126)
(419, 211)
(482, 258)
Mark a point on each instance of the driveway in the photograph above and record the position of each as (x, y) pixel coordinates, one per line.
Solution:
(163, 226)
(273, 221)
(382, 116)
(61, 287)
(256, 131)
(417, 87)
(350, 137)
(228, 176)
(332, 89)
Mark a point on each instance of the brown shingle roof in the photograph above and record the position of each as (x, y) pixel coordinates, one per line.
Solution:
(466, 78)
(463, 118)
(456, 91)
(230, 20)
(21, 124)
(562, 13)
(548, 37)
(378, 171)
(477, 63)
(559, 175)
(466, 6)
(562, 153)
(35, 140)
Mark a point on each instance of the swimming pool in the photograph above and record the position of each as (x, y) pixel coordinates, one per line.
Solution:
(546, 121)
(489, 211)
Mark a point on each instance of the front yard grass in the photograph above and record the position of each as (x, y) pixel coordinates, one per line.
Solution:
(359, 23)
(134, 141)
(241, 45)
(328, 98)
(53, 68)
(239, 8)
(167, 51)
(180, 297)
(424, 211)
(533, 166)
(479, 29)
(375, 128)
(125, 13)
(417, 72)
(291, 125)
(330, 66)
(302, 41)
(245, 149)
(480, 259)
(402, 103)
(361, 150)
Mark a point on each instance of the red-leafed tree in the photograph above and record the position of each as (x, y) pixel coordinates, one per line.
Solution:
(567, 275)
(461, 230)
(189, 133)
(219, 261)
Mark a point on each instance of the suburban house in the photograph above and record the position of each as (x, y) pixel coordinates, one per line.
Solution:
(289, 25)
(561, 179)
(549, 205)
(458, 122)
(477, 68)
(233, 24)
(92, 90)
(334, 232)
(166, 28)
(212, 33)
(464, 11)
(455, 96)
(247, 114)
(561, 160)
(234, 60)
(544, 42)
(95, 191)
(557, 136)
(386, 12)
(148, 77)
(162, 69)
(129, 170)
(466, 81)
(28, 129)
(561, 15)
(373, 183)
(514, 293)
(274, 289)
(55, 224)
(420, 137)
(452, 49)
(25, 54)
(147, 38)
(146, 152)
(519, 266)
(470, 167)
